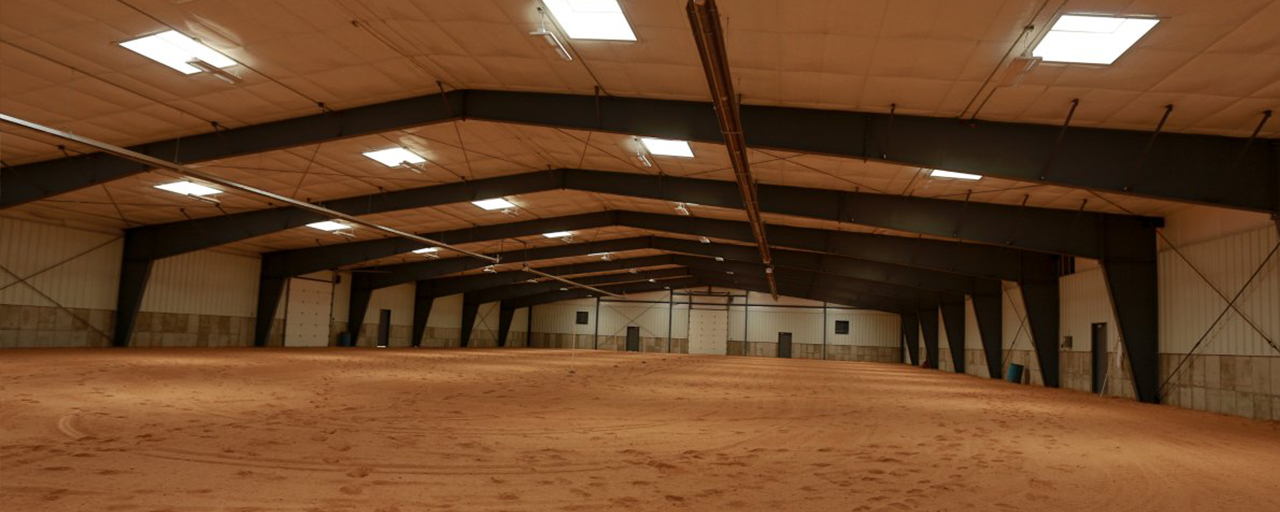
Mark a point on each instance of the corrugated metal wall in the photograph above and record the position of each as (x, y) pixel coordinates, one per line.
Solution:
(1083, 301)
(446, 312)
(1188, 305)
(1016, 335)
(88, 280)
(399, 299)
(204, 283)
(972, 336)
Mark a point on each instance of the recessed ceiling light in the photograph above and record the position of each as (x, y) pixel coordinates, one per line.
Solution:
(591, 19)
(494, 204)
(426, 250)
(939, 173)
(558, 234)
(177, 51)
(188, 188)
(394, 157)
(329, 225)
(663, 147)
(1091, 39)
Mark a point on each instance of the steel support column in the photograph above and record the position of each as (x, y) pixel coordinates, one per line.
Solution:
(505, 314)
(929, 329)
(133, 284)
(469, 311)
(357, 307)
(988, 311)
(1040, 299)
(1129, 267)
(424, 296)
(910, 322)
(270, 288)
(952, 307)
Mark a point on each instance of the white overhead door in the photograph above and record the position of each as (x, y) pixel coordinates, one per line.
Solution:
(708, 331)
(306, 314)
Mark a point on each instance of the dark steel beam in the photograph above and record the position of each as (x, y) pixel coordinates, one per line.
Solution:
(505, 315)
(803, 291)
(423, 298)
(1174, 167)
(578, 293)
(1041, 300)
(929, 329)
(469, 311)
(860, 286)
(988, 311)
(29, 182)
(134, 274)
(952, 308)
(1130, 271)
(910, 324)
(515, 291)
(467, 283)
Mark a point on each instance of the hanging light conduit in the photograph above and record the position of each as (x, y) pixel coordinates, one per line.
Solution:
(704, 19)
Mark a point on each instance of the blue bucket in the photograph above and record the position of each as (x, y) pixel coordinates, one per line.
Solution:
(1014, 373)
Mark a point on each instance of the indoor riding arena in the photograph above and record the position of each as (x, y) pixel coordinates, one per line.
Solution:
(579, 255)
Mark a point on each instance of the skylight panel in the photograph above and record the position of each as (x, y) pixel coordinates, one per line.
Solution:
(939, 173)
(394, 157)
(176, 51)
(494, 204)
(558, 234)
(188, 188)
(1083, 39)
(591, 19)
(663, 147)
(328, 225)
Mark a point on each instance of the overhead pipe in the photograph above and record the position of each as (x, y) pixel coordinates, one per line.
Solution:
(704, 19)
(335, 214)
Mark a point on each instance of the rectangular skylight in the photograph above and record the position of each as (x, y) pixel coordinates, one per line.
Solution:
(663, 147)
(1085, 39)
(188, 188)
(426, 250)
(176, 50)
(592, 19)
(558, 234)
(939, 173)
(494, 204)
(328, 225)
(393, 157)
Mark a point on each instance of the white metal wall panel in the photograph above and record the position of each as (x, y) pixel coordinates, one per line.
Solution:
(88, 280)
(446, 312)
(399, 299)
(307, 313)
(866, 328)
(559, 317)
(205, 283)
(485, 328)
(651, 318)
(708, 331)
(764, 323)
(1083, 301)
(520, 320)
(972, 336)
(943, 339)
(1188, 305)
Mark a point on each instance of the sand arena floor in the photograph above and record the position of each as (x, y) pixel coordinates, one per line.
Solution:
(401, 430)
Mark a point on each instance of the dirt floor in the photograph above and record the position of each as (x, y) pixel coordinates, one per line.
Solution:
(401, 430)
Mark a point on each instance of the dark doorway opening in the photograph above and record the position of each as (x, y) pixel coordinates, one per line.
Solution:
(384, 328)
(784, 345)
(633, 339)
(1099, 347)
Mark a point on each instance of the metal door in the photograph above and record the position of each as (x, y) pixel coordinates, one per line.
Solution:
(384, 328)
(633, 339)
(784, 345)
(1099, 346)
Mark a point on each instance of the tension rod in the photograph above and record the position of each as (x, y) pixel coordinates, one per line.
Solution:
(203, 176)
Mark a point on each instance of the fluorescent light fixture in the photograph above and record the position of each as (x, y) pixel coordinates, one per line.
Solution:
(426, 250)
(663, 147)
(558, 234)
(494, 204)
(177, 51)
(682, 209)
(607, 256)
(653, 280)
(188, 188)
(939, 173)
(491, 269)
(719, 258)
(704, 240)
(591, 19)
(393, 157)
(1087, 39)
(329, 225)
